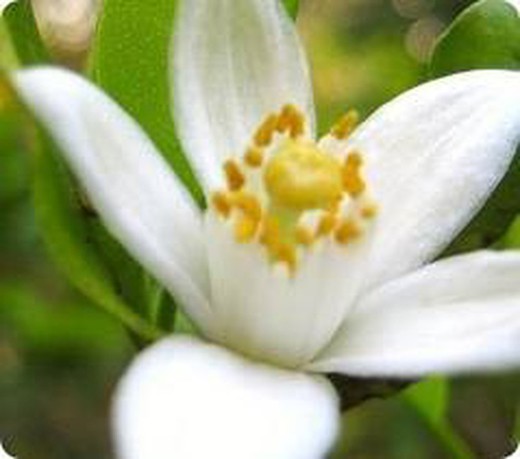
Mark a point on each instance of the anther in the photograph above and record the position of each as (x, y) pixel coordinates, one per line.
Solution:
(347, 231)
(369, 211)
(326, 225)
(345, 125)
(264, 134)
(285, 253)
(303, 236)
(248, 204)
(245, 229)
(270, 235)
(221, 204)
(254, 157)
(234, 176)
(353, 182)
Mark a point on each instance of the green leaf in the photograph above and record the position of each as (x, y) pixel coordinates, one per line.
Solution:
(91, 259)
(485, 35)
(292, 7)
(70, 243)
(430, 400)
(130, 61)
(24, 33)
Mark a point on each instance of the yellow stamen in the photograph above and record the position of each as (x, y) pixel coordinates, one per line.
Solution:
(254, 157)
(369, 211)
(248, 204)
(221, 204)
(234, 176)
(345, 125)
(264, 134)
(347, 231)
(270, 235)
(353, 182)
(286, 253)
(326, 225)
(304, 236)
(301, 177)
(245, 229)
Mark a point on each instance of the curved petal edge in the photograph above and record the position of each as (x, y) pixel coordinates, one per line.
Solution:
(186, 399)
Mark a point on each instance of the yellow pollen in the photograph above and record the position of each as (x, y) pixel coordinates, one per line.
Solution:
(346, 125)
(353, 182)
(254, 157)
(304, 236)
(234, 176)
(270, 235)
(369, 211)
(347, 231)
(285, 253)
(248, 204)
(245, 229)
(326, 225)
(221, 204)
(301, 177)
(291, 120)
(264, 134)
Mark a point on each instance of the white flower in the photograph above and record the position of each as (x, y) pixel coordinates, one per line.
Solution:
(4, 4)
(515, 3)
(515, 455)
(312, 257)
(3, 454)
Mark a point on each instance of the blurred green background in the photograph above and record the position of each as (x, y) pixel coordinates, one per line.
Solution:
(60, 357)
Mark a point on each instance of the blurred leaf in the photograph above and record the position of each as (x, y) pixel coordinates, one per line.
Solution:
(24, 33)
(430, 400)
(485, 35)
(93, 260)
(130, 61)
(292, 7)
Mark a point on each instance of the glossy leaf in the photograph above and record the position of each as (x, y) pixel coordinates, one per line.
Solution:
(130, 62)
(485, 35)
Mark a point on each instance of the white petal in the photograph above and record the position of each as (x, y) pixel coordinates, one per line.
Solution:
(515, 455)
(138, 197)
(455, 316)
(184, 399)
(4, 4)
(434, 155)
(515, 3)
(234, 63)
(3, 454)
(270, 315)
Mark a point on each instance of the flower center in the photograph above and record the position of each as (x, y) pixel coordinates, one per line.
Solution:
(288, 194)
(300, 177)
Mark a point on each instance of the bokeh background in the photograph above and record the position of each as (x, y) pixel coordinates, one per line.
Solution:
(60, 356)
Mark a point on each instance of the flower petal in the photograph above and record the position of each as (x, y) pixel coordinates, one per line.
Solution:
(185, 399)
(434, 155)
(139, 199)
(454, 316)
(3, 453)
(269, 314)
(234, 63)
(515, 3)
